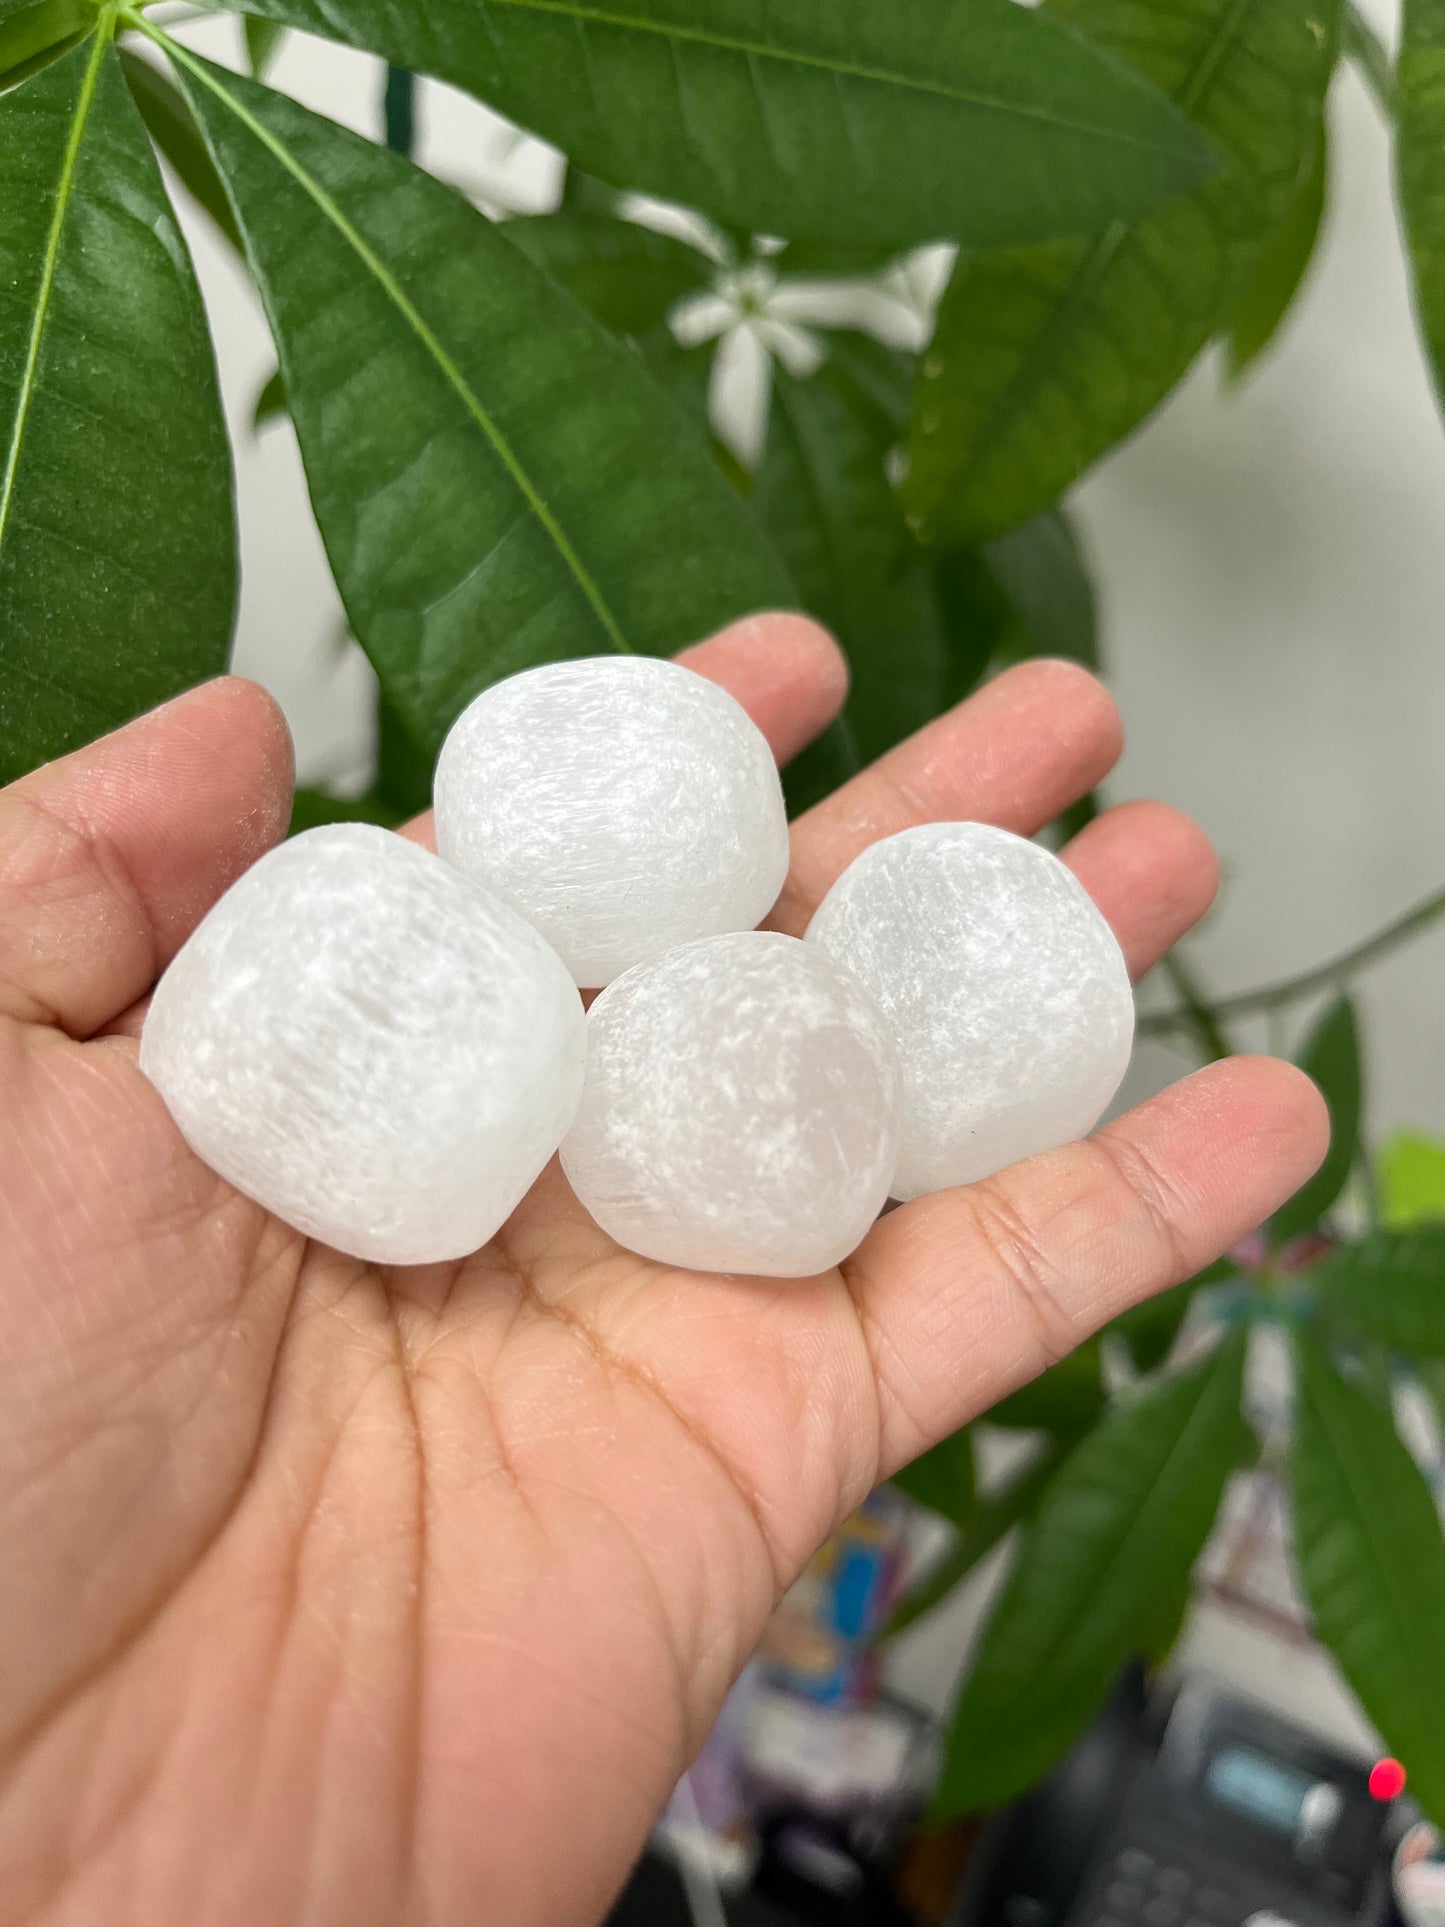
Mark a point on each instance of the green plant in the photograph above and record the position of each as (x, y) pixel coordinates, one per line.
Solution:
(1122, 1494)
(510, 459)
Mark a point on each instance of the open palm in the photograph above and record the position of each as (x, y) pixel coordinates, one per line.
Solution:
(338, 1595)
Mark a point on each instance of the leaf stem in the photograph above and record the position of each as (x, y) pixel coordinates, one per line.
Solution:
(399, 110)
(1366, 49)
(993, 1516)
(1288, 990)
(1198, 1013)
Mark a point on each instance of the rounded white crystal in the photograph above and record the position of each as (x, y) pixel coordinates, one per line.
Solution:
(740, 1112)
(621, 804)
(370, 1045)
(1006, 990)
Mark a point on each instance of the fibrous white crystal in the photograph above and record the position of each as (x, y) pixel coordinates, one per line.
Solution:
(740, 1112)
(1006, 991)
(370, 1045)
(621, 804)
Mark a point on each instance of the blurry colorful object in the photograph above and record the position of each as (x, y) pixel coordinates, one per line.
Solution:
(1419, 1877)
(817, 1642)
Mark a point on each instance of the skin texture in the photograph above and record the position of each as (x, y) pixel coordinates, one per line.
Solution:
(337, 1595)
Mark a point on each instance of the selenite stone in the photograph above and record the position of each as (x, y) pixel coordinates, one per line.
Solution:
(620, 804)
(370, 1045)
(1007, 993)
(740, 1112)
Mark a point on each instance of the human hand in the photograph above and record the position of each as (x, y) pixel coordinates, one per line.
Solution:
(338, 1595)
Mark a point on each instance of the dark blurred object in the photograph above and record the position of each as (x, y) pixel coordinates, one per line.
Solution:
(932, 1868)
(830, 1874)
(1197, 1809)
(813, 1815)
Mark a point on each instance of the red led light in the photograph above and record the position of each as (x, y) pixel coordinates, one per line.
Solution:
(1387, 1779)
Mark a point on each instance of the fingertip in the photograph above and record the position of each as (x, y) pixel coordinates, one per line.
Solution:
(117, 850)
(785, 670)
(1291, 1111)
(421, 829)
(1249, 1131)
(246, 726)
(801, 645)
(1066, 690)
(1152, 872)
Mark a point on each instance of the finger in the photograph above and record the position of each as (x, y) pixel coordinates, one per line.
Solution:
(786, 671)
(110, 857)
(788, 674)
(1152, 872)
(1017, 752)
(964, 1295)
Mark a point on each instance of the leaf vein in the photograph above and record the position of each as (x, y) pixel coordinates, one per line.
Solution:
(30, 372)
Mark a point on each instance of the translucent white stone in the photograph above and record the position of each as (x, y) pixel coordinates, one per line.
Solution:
(1006, 990)
(620, 804)
(741, 1109)
(369, 1045)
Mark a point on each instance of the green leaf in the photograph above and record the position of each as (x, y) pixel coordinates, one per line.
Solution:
(1364, 47)
(1066, 1398)
(822, 495)
(30, 36)
(584, 194)
(1284, 264)
(852, 259)
(628, 276)
(823, 767)
(847, 122)
(1042, 572)
(496, 481)
(1370, 1554)
(1027, 593)
(172, 126)
(943, 1478)
(404, 767)
(1331, 1056)
(263, 39)
(684, 374)
(117, 536)
(885, 375)
(1282, 267)
(976, 618)
(1112, 1543)
(993, 1516)
(1410, 1174)
(270, 402)
(1430, 1377)
(1044, 357)
(1391, 1285)
(1150, 1329)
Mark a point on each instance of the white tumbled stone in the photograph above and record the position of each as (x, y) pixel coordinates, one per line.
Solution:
(1006, 991)
(740, 1112)
(621, 804)
(370, 1045)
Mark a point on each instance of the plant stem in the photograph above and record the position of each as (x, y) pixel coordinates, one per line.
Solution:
(1365, 47)
(1198, 1013)
(993, 1517)
(1289, 990)
(399, 109)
